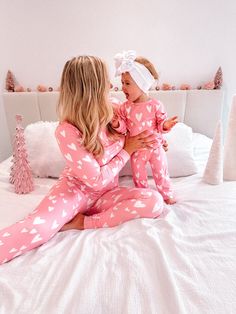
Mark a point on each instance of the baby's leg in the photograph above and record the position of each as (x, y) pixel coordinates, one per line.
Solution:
(138, 163)
(124, 204)
(60, 205)
(161, 177)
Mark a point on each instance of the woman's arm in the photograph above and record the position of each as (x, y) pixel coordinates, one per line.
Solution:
(83, 163)
(119, 119)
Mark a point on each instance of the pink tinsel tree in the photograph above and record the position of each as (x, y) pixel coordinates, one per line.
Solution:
(21, 174)
(10, 85)
(218, 80)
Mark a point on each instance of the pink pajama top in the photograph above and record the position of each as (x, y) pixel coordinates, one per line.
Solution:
(94, 176)
(139, 117)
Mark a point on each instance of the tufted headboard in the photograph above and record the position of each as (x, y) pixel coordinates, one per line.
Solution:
(200, 109)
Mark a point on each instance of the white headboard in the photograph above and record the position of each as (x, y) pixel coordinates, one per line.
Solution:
(200, 109)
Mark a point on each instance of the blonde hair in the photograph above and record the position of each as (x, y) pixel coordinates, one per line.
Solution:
(148, 65)
(83, 99)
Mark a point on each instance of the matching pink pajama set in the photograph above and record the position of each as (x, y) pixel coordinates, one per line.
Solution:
(87, 185)
(137, 118)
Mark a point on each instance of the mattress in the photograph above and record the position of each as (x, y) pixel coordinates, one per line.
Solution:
(183, 262)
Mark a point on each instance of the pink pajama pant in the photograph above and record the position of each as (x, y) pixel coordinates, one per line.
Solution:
(157, 159)
(63, 202)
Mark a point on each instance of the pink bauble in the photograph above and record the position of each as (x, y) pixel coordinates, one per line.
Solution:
(41, 88)
(185, 87)
(209, 85)
(19, 89)
(166, 86)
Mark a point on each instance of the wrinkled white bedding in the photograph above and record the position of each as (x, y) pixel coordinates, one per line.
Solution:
(184, 262)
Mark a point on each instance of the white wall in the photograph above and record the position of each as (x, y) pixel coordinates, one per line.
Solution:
(187, 40)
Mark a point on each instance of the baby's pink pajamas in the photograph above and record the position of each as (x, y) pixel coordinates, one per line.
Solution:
(87, 185)
(136, 118)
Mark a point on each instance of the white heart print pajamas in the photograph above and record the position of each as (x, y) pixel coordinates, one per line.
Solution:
(87, 185)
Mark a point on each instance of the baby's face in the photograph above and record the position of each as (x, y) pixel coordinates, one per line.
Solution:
(130, 88)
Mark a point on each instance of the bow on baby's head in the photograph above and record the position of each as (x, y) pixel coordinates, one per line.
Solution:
(125, 62)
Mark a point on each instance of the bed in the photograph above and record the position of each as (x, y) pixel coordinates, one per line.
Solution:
(183, 262)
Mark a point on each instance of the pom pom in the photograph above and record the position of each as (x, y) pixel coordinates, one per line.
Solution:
(166, 86)
(209, 85)
(185, 87)
(19, 89)
(41, 88)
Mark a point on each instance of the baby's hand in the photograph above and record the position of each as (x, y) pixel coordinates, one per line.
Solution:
(169, 123)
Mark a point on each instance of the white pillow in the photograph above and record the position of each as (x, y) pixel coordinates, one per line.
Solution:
(46, 159)
(43, 151)
(179, 155)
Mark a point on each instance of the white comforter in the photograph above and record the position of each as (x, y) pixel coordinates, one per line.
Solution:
(184, 262)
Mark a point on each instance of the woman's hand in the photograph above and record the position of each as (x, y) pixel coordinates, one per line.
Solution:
(142, 140)
(115, 121)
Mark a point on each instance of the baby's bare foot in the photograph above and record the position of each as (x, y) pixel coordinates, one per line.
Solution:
(76, 223)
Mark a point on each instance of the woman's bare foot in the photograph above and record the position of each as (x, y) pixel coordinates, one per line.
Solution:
(76, 223)
(170, 201)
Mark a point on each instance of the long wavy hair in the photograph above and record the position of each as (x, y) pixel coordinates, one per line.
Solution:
(84, 101)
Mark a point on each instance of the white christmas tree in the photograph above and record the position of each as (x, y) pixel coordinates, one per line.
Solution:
(213, 173)
(230, 146)
(20, 175)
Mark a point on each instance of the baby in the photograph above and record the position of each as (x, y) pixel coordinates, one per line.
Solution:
(139, 113)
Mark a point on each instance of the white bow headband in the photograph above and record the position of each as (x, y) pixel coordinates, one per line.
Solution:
(125, 62)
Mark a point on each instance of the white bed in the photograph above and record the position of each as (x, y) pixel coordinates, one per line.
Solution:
(184, 262)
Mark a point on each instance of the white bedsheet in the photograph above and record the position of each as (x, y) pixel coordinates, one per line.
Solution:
(182, 263)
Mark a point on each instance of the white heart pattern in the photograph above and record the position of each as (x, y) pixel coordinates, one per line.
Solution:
(33, 231)
(139, 116)
(128, 109)
(13, 250)
(68, 157)
(38, 221)
(37, 238)
(64, 214)
(139, 204)
(24, 230)
(63, 133)
(55, 225)
(72, 146)
(87, 158)
(6, 234)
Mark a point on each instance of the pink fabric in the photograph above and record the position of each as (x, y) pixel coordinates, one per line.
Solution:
(158, 162)
(87, 185)
(136, 118)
